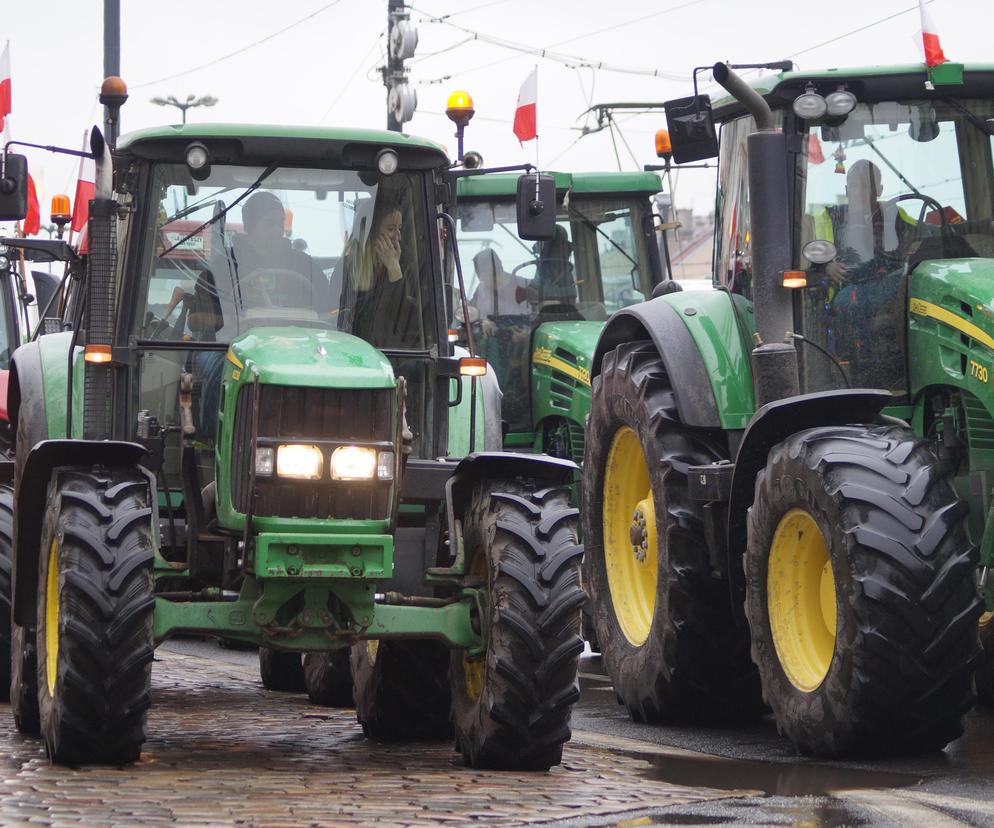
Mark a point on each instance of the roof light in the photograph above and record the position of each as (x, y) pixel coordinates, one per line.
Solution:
(664, 148)
(459, 108)
(840, 102)
(809, 105)
(61, 210)
(387, 161)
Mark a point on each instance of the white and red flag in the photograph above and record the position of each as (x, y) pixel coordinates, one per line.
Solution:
(86, 190)
(930, 38)
(5, 97)
(525, 124)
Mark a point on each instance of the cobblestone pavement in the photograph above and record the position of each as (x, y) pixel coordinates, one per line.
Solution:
(223, 751)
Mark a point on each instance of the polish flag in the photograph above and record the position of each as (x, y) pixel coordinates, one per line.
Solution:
(32, 221)
(930, 38)
(86, 189)
(525, 126)
(5, 99)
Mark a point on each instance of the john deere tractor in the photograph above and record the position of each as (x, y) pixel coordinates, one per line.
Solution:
(254, 427)
(788, 480)
(537, 308)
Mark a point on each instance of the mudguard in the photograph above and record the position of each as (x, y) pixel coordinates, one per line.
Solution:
(501, 464)
(33, 474)
(659, 321)
(773, 423)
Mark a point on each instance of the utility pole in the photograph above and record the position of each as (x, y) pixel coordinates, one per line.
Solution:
(112, 59)
(402, 38)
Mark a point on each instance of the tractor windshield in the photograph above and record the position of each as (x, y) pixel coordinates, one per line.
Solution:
(279, 246)
(895, 184)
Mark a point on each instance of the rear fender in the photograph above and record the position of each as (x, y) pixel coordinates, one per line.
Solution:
(44, 459)
(772, 424)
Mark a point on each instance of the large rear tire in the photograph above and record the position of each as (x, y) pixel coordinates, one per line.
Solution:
(402, 689)
(512, 707)
(95, 609)
(281, 670)
(6, 591)
(669, 640)
(328, 678)
(860, 593)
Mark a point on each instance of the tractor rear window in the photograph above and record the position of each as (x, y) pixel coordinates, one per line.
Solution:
(250, 247)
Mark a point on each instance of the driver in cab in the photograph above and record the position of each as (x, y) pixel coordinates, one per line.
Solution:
(270, 271)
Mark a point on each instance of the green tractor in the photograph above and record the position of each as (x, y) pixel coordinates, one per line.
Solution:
(536, 309)
(788, 481)
(254, 427)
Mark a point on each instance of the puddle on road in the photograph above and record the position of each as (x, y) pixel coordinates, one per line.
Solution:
(772, 778)
(824, 814)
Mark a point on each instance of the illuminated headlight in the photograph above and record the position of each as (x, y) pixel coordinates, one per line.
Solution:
(384, 465)
(353, 463)
(264, 461)
(299, 462)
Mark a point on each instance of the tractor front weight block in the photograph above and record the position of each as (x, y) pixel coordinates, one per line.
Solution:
(298, 555)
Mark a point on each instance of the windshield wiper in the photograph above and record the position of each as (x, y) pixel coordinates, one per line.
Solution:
(590, 223)
(220, 214)
(982, 124)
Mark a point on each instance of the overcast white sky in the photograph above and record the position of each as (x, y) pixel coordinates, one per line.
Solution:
(322, 71)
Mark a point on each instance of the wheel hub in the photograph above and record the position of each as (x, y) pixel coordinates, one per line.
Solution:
(639, 533)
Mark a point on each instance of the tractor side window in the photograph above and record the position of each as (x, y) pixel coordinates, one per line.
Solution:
(733, 256)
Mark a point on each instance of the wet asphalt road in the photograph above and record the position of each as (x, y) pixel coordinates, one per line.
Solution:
(955, 787)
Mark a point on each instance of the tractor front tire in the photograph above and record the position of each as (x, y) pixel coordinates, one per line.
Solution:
(512, 706)
(985, 672)
(6, 586)
(860, 593)
(95, 608)
(402, 689)
(281, 671)
(328, 678)
(669, 638)
(17, 644)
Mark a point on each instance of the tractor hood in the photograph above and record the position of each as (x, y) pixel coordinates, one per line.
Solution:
(567, 347)
(310, 357)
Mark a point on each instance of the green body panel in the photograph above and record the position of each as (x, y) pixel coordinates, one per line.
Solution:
(459, 419)
(506, 184)
(957, 353)
(560, 372)
(311, 357)
(287, 133)
(299, 555)
(54, 351)
(721, 341)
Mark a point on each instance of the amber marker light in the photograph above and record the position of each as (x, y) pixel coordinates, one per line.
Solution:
(453, 335)
(794, 279)
(99, 354)
(472, 366)
(61, 211)
(459, 108)
(664, 149)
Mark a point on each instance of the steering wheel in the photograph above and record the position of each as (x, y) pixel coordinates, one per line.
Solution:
(254, 281)
(156, 327)
(531, 263)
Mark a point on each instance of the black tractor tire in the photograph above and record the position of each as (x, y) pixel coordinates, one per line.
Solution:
(281, 671)
(686, 658)
(896, 672)
(93, 694)
(402, 689)
(24, 680)
(6, 587)
(328, 678)
(512, 707)
(985, 672)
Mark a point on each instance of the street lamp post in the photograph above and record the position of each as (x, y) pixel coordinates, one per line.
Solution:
(190, 102)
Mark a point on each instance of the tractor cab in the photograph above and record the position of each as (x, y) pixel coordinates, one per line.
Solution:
(536, 308)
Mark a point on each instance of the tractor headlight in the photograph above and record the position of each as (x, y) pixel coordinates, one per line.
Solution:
(264, 461)
(299, 462)
(354, 463)
(384, 465)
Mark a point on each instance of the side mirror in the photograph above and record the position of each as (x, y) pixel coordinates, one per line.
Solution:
(691, 128)
(536, 203)
(14, 188)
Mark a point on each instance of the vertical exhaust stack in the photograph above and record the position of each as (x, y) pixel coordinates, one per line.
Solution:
(99, 319)
(774, 362)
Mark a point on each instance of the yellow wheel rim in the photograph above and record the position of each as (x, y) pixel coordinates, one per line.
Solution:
(631, 555)
(372, 650)
(474, 670)
(801, 600)
(52, 618)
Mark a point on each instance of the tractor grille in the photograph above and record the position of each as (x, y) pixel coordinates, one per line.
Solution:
(311, 415)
